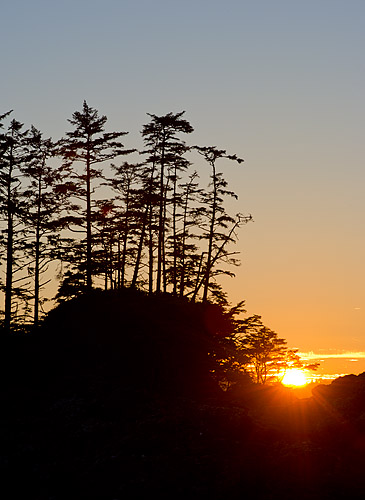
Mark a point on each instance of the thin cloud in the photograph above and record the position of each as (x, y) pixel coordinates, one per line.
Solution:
(323, 377)
(339, 355)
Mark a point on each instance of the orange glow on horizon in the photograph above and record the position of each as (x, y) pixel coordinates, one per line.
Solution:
(294, 377)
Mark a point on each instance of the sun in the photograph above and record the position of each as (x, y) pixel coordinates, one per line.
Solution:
(294, 377)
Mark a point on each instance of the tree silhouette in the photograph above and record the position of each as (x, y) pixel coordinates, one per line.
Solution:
(125, 183)
(165, 149)
(90, 145)
(185, 242)
(263, 348)
(145, 215)
(263, 351)
(179, 165)
(44, 203)
(12, 156)
(217, 218)
(153, 227)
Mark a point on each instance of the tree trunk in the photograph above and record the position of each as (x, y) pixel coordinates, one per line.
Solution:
(150, 253)
(174, 269)
(161, 222)
(140, 248)
(9, 250)
(37, 256)
(118, 263)
(89, 283)
(143, 231)
(9, 270)
(164, 276)
(125, 238)
(211, 237)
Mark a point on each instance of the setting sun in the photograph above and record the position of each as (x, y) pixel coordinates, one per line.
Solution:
(294, 377)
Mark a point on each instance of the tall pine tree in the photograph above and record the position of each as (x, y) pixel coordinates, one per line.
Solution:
(12, 156)
(89, 145)
(164, 147)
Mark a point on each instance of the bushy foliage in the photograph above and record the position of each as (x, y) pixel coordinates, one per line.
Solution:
(154, 342)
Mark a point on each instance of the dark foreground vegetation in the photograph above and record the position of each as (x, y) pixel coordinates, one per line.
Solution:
(117, 395)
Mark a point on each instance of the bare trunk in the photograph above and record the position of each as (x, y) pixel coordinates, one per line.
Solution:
(118, 264)
(89, 283)
(140, 248)
(164, 276)
(150, 254)
(182, 261)
(37, 257)
(198, 283)
(160, 223)
(9, 271)
(184, 230)
(143, 232)
(174, 269)
(9, 250)
(125, 240)
(211, 237)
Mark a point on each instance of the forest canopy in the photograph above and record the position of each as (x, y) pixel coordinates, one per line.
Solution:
(86, 211)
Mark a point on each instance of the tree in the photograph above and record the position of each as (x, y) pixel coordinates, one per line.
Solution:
(263, 348)
(44, 203)
(149, 230)
(72, 285)
(216, 232)
(127, 215)
(294, 361)
(12, 155)
(264, 352)
(90, 145)
(179, 165)
(185, 247)
(146, 199)
(72, 280)
(166, 150)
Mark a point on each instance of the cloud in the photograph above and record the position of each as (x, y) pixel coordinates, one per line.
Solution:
(353, 356)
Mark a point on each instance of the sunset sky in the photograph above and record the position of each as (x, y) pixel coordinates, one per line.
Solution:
(280, 83)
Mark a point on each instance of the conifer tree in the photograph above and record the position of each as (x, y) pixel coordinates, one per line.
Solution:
(217, 232)
(180, 164)
(164, 148)
(44, 203)
(12, 156)
(147, 200)
(89, 145)
(185, 238)
(125, 183)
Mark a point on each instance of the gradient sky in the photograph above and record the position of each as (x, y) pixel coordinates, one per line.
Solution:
(280, 83)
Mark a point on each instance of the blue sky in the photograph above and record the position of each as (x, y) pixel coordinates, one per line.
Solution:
(280, 83)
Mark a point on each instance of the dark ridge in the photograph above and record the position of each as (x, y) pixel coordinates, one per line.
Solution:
(153, 343)
(114, 398)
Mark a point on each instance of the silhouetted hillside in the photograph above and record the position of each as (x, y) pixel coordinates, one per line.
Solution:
(346, 395)
(114, 399)
(151, 343)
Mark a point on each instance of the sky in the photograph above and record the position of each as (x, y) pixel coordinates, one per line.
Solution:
(279, 83)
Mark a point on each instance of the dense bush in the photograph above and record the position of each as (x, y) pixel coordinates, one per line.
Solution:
(158, 343)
